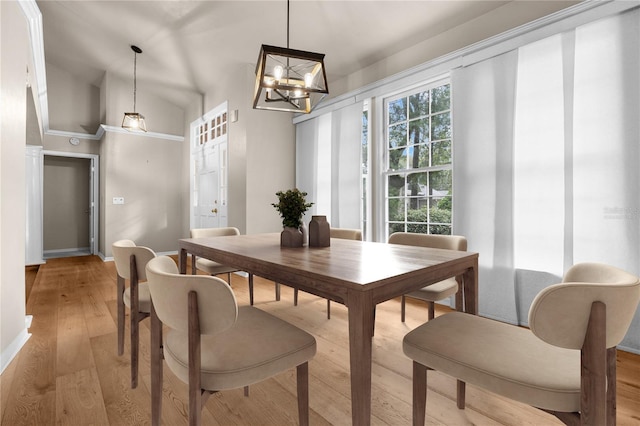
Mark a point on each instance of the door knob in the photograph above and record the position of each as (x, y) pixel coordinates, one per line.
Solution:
(214, 211)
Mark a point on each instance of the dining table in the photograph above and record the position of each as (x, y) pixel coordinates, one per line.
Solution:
(358, 274)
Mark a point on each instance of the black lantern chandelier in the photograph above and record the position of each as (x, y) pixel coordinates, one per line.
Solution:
(288, 79)
(134, 121)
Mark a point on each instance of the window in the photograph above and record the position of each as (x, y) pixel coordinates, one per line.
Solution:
(418, 169)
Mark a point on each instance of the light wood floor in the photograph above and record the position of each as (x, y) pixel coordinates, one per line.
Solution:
(69, 373)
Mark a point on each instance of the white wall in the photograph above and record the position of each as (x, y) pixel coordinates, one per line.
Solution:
(14, 49)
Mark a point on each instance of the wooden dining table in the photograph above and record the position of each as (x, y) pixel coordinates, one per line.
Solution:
(358, 274)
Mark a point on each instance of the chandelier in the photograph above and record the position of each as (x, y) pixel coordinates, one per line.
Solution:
(134, 121)
(288, 79)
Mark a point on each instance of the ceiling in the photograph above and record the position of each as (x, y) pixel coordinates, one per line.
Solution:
(188, 44)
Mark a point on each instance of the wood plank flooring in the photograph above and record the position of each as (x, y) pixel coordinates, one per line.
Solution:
(69, 373)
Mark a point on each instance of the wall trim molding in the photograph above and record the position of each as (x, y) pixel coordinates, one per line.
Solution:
(165, 136)
(14, 347)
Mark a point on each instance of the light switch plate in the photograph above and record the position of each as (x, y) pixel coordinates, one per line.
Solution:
(118, 200)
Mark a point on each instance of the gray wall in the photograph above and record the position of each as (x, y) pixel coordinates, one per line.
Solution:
(65, 203)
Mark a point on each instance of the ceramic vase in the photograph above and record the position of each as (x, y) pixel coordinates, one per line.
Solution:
(319, 232)
(290, 237)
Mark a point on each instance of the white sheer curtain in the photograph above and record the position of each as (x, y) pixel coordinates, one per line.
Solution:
(546, 166)
(328, 165)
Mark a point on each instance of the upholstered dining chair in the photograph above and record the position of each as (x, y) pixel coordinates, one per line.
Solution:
(131, 261)
(214, 345)
(565, 364)
(215, 268)
(442, 289)
(345, 234)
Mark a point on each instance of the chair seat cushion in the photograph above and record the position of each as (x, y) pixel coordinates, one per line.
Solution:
(213, 268)
(144, 297)
(257, 347)
(502, 358)
(437, 291)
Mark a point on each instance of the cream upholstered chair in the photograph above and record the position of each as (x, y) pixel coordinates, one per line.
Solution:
(214, 345)
(345, 234)
(442, 289)
(131, 261)
(566, 363)
(215, 268)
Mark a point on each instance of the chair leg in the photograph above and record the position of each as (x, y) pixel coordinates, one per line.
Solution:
(403, 301)
(156, 368)
(277, 292)
(251, 289)
(302, 380)
(432, 310)
(295, 297)
(135, 338)
(593, 401)
(328, 309)
(419, 393)
(120, 302)
(611, 386)
(460, 393)
(195, 389)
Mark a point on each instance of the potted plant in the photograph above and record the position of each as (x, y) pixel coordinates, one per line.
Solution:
(291, 206)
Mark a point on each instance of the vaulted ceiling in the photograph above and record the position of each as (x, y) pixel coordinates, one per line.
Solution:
(188, 44)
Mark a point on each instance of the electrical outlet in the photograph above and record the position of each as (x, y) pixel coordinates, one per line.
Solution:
(118, 200)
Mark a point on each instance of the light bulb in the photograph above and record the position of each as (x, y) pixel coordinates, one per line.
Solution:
(277, 72)
(308, 79)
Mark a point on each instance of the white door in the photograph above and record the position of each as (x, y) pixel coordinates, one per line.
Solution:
(207, 184)
(209, 169)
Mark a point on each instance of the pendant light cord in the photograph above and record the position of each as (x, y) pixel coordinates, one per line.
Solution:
(135, 56)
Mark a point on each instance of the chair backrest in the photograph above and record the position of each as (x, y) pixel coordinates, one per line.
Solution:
(560, 313)
(449, 242)
(346, 234)
(122, 251)
(169, 293)
(214, 232)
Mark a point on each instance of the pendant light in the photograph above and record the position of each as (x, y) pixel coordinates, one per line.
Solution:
(288, 79)
(134, 121)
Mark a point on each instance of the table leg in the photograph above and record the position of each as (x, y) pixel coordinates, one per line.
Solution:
(361, 318)
(182, 261)
(471, 289)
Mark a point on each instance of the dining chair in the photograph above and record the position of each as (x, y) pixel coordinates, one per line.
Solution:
(215, 268)
(131, 261)
(214, 345)
(442, 289)
(565, 364)
(342, 233)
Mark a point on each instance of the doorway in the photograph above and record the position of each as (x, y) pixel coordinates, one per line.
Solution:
(69, 205)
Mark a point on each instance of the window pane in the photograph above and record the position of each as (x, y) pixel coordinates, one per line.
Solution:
(440, 229)
(441, 153)
(397, 159)
(418, 228)
(395, 185)
(440, 183)
(441, 126)
(398, 111)
(365, 141)
(416, 186)
(419, 131)
(396, 227)
(418, 105)
(440, 99)
(398, 135)
(396, 209)
(423, 156)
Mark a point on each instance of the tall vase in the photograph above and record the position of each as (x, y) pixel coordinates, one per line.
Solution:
(319, 232)
(290, 237)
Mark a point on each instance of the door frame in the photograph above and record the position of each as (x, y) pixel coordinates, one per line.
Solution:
(94, 193)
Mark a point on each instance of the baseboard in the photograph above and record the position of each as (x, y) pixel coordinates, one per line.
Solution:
(13, 349)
